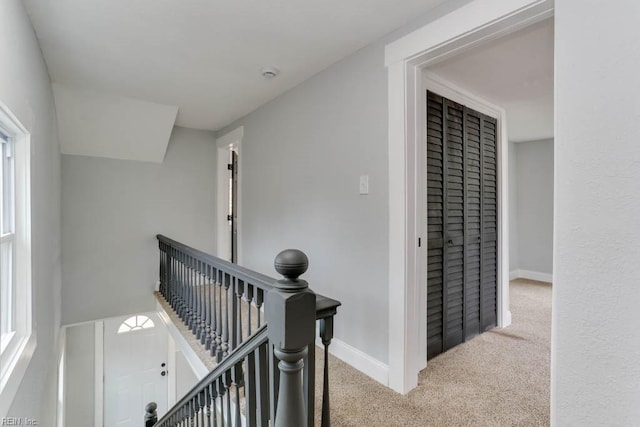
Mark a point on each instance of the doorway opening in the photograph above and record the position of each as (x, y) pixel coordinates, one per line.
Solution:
(512, 76)
(232, 215)
(407, 59)
(229, 208)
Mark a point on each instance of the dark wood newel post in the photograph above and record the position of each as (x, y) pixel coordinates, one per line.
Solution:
(150, 416)
(291, 314)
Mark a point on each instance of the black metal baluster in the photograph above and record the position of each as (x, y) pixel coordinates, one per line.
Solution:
(195, 411)
(238, 381)
(193, 295)
(223, 415)
(200, 317)
(202, 403)
(326, 333)
(187, 290)
(189, 294)
(262, 384)
(236, 318)
(225, 316)
(214, 318)
(250, 389)
(249, 296)
(172, 282)
(259, 301)
(175, 270)
(227, 387)
(220, 276)
(206, 340)
(214, 406)
(179, 285)
(240, 289)
(192, 412)
(203, 304)
(183, 289)
(196, 299)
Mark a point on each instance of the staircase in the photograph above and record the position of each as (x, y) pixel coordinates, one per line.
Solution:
(260, 332)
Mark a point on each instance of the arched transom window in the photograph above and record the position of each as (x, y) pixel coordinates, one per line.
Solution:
(135, 323)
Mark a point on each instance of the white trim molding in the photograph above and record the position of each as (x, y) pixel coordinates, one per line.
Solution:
(406, 58)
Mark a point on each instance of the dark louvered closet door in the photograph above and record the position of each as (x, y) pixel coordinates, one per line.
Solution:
(462, 223)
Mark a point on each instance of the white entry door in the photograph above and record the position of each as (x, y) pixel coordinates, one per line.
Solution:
(135, 368)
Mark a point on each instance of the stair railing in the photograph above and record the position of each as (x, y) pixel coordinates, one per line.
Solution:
(227, 306)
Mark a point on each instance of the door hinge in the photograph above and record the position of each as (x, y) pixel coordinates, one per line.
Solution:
(230, 166)
(229, 217)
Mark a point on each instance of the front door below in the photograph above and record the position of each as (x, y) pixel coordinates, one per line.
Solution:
(135, 371)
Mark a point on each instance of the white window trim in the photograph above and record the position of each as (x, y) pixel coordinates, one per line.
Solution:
(19, 351)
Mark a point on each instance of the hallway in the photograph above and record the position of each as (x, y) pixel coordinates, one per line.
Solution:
(500, 378)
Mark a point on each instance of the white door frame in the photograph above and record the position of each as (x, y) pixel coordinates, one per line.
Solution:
(464, 28)
(226, 142)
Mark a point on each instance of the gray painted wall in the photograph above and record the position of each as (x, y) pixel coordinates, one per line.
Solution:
(532, 215)
(79, 373)
(26, 90)
(186, 379)
(112, 210)
(302, 156)
(513, 208)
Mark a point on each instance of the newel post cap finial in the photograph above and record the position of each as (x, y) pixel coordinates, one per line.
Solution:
(150, 416)
(291, 263)
(151, 407)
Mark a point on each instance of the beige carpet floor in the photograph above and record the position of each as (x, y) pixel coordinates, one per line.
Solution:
(500, 378)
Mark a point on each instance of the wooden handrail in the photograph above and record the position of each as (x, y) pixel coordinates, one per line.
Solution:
(325, 306)
(235, 357)
(216, 300)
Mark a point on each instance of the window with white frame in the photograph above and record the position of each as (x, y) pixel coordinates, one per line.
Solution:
(17, 342)
(7, 241)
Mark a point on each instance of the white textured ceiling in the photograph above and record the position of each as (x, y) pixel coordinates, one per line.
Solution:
(204, 56)
(515, 72)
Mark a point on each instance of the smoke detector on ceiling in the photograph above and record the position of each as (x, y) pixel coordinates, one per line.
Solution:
(269, 72)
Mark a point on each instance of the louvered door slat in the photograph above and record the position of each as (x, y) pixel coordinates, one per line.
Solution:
(435, 220)
(454, 220)
(472, 223)
(489, 274)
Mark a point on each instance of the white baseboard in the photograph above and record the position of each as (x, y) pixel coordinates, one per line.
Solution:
(531, 275)
(361, 361)
(507, 319)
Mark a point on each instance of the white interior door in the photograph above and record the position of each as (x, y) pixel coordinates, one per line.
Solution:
(135, 368)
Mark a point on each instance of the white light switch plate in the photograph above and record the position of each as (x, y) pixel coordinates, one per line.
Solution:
(364, 184)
